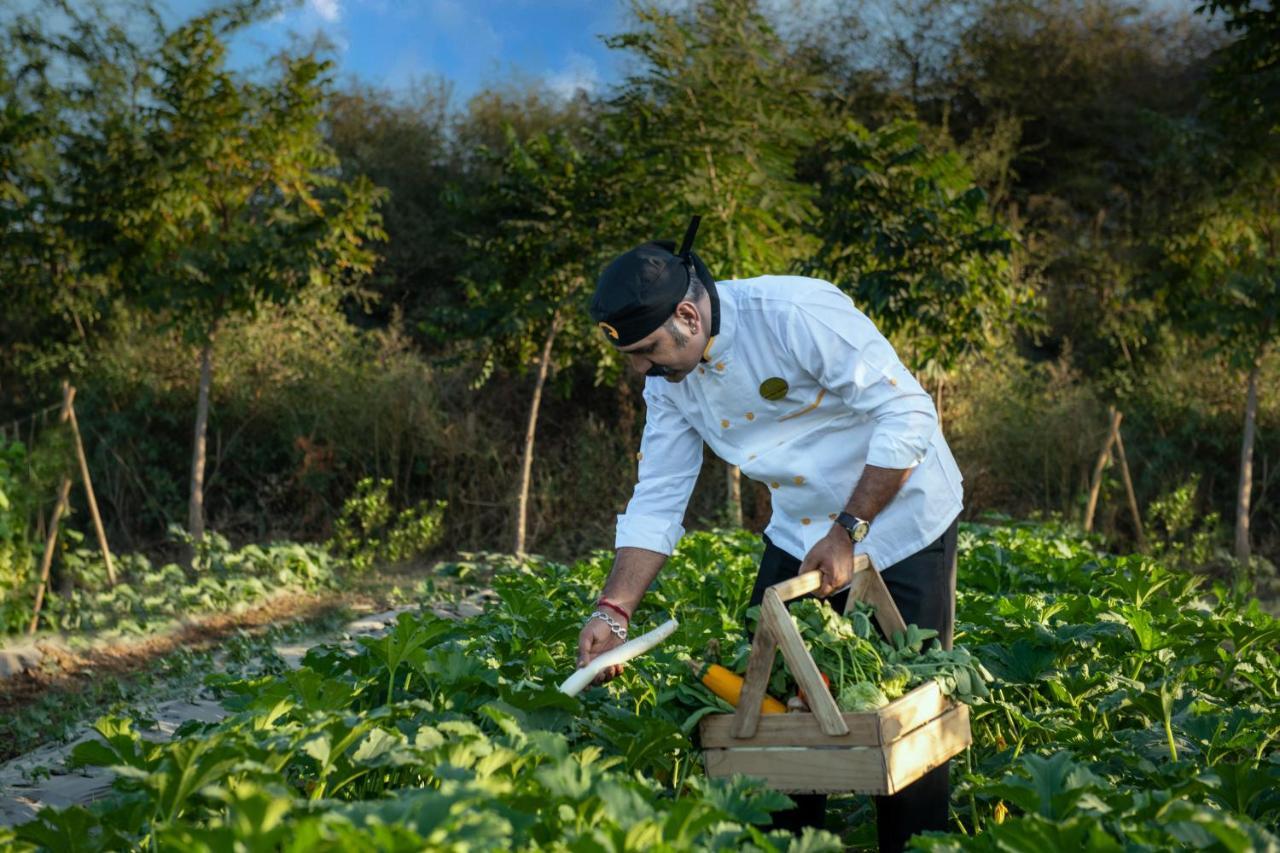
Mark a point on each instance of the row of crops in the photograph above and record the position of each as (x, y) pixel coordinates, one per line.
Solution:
(1129, 709)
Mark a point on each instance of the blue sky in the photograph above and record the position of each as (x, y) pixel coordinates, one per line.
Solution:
(472, 43)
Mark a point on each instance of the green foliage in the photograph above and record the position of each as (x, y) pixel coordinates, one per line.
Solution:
(1247, 78)
(220, 194)
(408, 142)
(17, 551)
(1227, 263)
(29, 479)
(52, 302)
(369, 532)
(553, 204)
(1070, 116)
(1182, 536)
(714, 121)
(908, 234)
(221, 579)
(452, 732)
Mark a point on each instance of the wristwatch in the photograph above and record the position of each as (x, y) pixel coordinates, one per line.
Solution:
(857, 528)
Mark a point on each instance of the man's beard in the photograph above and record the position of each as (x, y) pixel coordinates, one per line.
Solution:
(679, 338)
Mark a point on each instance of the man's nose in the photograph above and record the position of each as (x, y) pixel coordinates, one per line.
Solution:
(638, 363)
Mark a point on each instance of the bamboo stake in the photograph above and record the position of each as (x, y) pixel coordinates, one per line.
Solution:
(1103, 458)
(1128, 487)
(64, 491)
(93, 500)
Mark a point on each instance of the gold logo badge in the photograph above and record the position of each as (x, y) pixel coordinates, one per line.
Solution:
(609, 330)
(774, 388)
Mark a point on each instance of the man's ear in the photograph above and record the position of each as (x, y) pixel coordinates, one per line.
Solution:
(688, 313)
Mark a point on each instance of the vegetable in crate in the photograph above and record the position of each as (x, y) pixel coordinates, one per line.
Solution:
(728, 686)
(893, 669)
(864, 672)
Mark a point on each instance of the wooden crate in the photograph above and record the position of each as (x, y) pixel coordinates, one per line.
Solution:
(827, 751)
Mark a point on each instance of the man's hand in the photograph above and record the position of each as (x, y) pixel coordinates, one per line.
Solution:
(833, 556)
(595, 639)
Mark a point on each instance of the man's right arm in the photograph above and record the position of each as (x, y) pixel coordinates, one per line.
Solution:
(670, 458)
(634, 569)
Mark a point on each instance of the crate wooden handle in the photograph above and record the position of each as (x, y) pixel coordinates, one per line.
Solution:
(777, 631)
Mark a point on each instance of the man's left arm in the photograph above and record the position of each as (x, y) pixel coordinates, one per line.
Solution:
(832, 554)
(841, 348)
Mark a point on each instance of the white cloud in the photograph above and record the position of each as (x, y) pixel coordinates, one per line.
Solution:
(328, 10)
(580, 73)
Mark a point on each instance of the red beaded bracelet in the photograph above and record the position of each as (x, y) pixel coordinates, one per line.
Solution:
(604, 602)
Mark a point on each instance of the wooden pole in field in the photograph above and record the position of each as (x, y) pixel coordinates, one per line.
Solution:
(64, 491)
(93, 500)
(1128, 487)
(1104, 457)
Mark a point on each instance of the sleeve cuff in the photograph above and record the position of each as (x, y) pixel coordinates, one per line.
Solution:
(650, 532)
(891, 451)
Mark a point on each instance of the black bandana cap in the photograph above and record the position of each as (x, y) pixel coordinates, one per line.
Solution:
(641, 288)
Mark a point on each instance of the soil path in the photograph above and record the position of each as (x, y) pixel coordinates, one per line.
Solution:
(41, 779)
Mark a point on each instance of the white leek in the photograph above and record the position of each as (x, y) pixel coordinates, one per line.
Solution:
(574, 684)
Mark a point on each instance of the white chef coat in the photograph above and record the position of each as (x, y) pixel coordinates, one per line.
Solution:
(849, 402)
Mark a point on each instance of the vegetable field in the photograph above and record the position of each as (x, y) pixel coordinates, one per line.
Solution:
(1129, 708)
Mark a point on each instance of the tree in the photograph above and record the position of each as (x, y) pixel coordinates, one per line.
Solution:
(1247, 77)
(553, 214)
(52, 302)
(714, 122)
(1226, 259)
(1229, 292)
(1061, 108)
(402, 142)
(907, 233)
(217, 194)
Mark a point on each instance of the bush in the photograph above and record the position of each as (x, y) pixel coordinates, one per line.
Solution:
(367, 534)
(28, 478)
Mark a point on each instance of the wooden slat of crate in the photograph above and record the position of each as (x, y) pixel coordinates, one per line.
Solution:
(911, 711)
(823, 770)
(918, 752)
(886, 725)
(835, 769)
(793, 729)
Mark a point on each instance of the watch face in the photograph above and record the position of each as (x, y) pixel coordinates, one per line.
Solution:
(859, 531)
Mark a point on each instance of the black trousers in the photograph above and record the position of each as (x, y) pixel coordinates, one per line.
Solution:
(924, 587)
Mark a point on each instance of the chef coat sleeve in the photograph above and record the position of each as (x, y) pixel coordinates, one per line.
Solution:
(846, 354)
(669, 460)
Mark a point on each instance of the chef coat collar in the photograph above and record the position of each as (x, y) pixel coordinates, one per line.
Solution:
(723, 316)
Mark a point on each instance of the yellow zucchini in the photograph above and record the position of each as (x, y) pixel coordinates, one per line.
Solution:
(728, 686)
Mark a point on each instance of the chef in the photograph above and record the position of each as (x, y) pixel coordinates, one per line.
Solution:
(783, 377)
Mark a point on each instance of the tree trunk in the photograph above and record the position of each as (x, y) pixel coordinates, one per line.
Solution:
(195, 506)
(526, 468)
(941, 385)
(1245, 493)
(733, 494)
(1104, 457)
